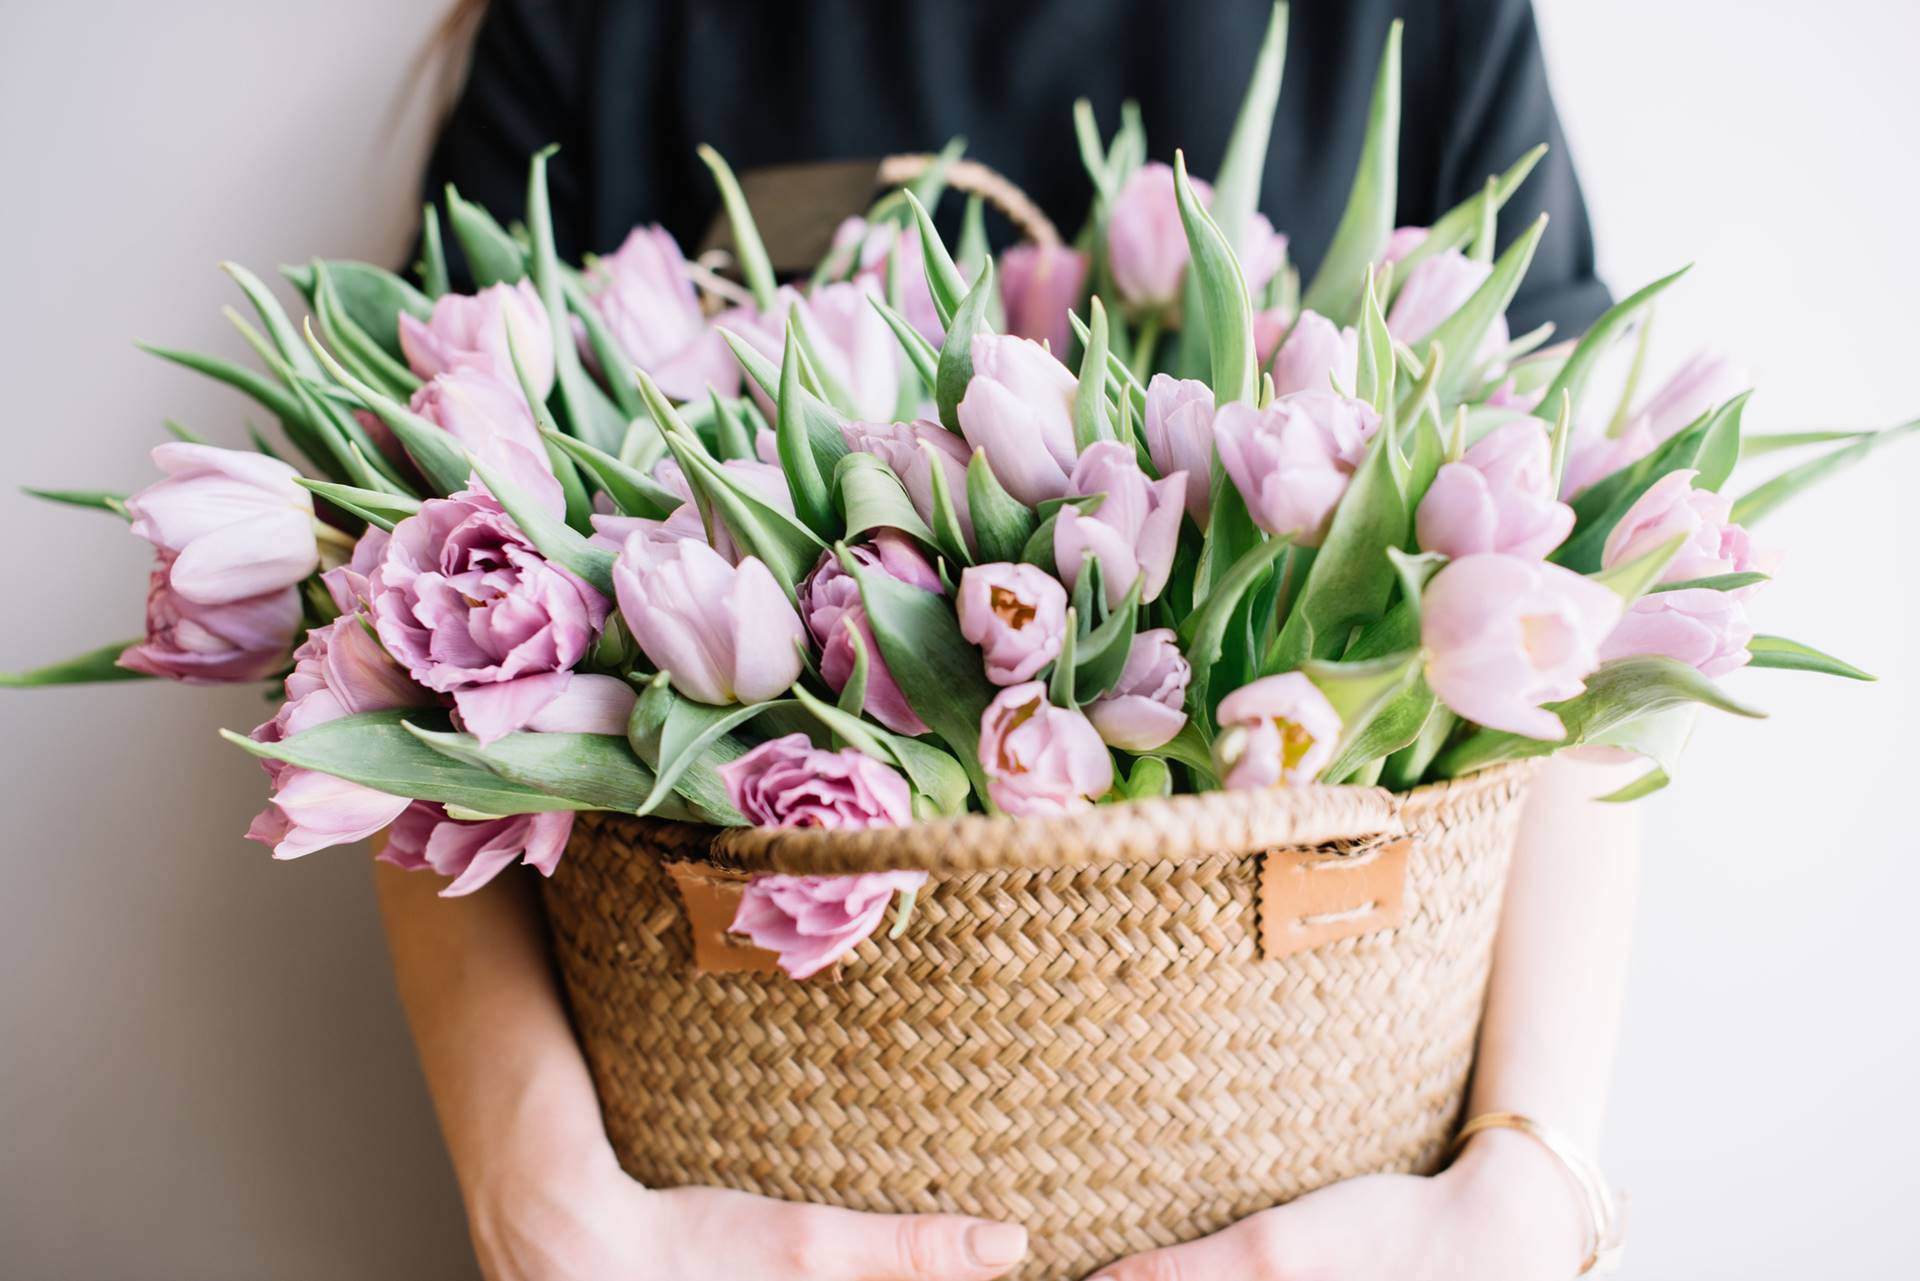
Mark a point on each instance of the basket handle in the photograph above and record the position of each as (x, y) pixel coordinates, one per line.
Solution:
(977, 179)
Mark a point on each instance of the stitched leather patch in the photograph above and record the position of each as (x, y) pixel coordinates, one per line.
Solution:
(712, 897)
(1309, 898)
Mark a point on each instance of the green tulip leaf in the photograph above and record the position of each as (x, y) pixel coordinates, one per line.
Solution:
(944, 281)
(595, 771)
(956, 353)
(812, 502)
(1368, 219)
(1453, 229)
(92, 668)
(1465, 330)
(1758, 502)
(98, 500)
(1224, 300)
(1579, 367)
(1778, 651)
(1002, 524)
(493, 256)
(748, 247)
(632, 492)
(373, 506)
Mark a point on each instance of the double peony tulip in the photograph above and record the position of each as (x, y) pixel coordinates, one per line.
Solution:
(830, 601)
(470, 608)
(469, 331)
(1279, 731)
(1500, 497)
(1041, 759)
(472, 853)
(1505, 634)
(1019, 409)
(811, 922)
(1016, 614)
(1293, 460)
(1134, 530)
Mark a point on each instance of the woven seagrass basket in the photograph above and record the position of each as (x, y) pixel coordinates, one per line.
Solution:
(1123, 1029)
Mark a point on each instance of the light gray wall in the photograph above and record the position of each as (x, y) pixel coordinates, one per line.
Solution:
(202, 1070)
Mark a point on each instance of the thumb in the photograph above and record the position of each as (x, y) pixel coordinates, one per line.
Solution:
(1236, 1254)
(849, 1246)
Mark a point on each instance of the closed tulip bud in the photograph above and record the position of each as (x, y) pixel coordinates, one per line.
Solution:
(722, 633)
(1293, 460)
(1435, 289)
(231, 642)
(1016, 614)
(1316, 356)
(644, 294)
(1707, 380)
(1039, 286)
(1041, 759)
(469, 331)
(1133, 532)
(1146, 241)
(911, 451)
(1147, 706)
(1505, 635)
(1498, 498)
(231, 525)
(1278, 731)
(475, 407)
(1018, 407)
(1179, 430)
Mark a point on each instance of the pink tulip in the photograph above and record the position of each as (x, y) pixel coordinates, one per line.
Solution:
(644, 294)
(231, 525)
(470, 608)
(1293, 460)
(1019, 408)
(1707, 380)
(811, 922)
(469, 331)
(723, 633)
(347, 584)
(1134, 530)
(766, 481)
(911, 451)
(341, 670)
(1673, 508)
(1039, 286)
(1179, 431)
(1146, 241)
(232, 642)
(854, 346)
(476, 408)
(1016, 614)
(882, 249)
(1279, 731)
(788, 782)
(1147, 706)
(1402, 242)
(1593, 456)
(1316, 356)
(1695, 625)
(1435, 289)
(473, 853)
(1505, 635)
(830, 601)
(1269, 327)
(1041, 759)
(1498, 498)
(1262, 255)
(589, 705)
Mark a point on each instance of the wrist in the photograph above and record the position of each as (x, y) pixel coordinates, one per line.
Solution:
(1509, 1189)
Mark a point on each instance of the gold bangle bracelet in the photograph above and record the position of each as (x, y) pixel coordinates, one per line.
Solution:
(1603, 1211)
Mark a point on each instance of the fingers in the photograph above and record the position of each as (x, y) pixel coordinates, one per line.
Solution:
(843, 1245)
(1240, 1253)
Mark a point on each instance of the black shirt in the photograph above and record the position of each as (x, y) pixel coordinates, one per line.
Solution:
(628, 88)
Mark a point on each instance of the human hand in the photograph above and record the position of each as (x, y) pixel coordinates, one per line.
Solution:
(597, 1224)
(1502, 1212)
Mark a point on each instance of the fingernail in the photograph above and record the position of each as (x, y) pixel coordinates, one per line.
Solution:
(997, 1245)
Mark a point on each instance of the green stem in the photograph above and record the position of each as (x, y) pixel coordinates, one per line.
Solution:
(1144, 343)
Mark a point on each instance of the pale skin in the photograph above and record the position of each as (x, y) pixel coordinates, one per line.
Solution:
(547, 1201)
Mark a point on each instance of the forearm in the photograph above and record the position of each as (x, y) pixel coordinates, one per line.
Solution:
(501, 1062)
(1559, 974)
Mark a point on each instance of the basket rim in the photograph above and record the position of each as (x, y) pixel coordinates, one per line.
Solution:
(1154, 830)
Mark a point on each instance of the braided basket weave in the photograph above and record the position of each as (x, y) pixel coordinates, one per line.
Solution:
(1078, 1030)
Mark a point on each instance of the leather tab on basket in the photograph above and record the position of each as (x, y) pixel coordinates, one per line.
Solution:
(1309, 898)
(712, 897)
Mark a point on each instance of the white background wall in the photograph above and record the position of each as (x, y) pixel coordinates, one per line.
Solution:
(202, 1070)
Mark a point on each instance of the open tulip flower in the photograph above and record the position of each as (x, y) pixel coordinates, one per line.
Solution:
(929, 531)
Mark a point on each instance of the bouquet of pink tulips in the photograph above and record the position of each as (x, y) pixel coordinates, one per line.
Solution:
(936, 533)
